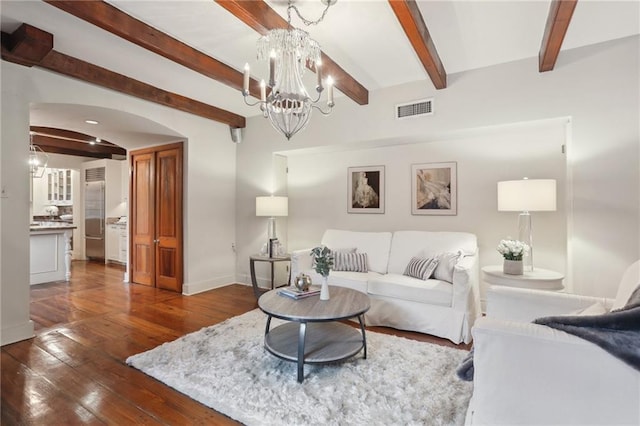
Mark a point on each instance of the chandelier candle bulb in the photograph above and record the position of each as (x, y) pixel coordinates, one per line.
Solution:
(330, 91)
(319, 75)
(245, 83)
(272, 68)
(263, 91)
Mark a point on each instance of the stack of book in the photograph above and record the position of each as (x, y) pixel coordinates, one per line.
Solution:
(296, 294)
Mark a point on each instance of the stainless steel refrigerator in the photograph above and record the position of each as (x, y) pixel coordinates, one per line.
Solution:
(94, 214)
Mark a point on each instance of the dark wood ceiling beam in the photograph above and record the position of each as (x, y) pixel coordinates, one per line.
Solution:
(28, 44)
(67, 151)
(51, 144)
(262, 18)
(560, 13)
(67, 134)
(117, 22)
(81, 70)
(413, 24)
(73, 67)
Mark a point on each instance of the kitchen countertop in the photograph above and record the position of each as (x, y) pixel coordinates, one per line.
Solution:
(51, 226)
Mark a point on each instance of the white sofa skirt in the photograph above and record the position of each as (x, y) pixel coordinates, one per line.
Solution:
(414, 316)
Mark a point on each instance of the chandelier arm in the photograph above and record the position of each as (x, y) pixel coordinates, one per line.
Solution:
(253, 104)
(323, 112)
(306, 21)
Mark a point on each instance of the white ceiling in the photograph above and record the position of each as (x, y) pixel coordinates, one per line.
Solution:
(362, 36)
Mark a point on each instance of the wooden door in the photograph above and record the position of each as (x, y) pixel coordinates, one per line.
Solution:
(156, 212)
(169, 219)
(142, 223)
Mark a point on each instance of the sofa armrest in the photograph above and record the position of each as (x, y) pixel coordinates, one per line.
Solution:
(531, 374)
(465, 283)
(301, 261)
(519, 304)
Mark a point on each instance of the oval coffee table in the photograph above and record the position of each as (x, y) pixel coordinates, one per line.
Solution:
(313, 334)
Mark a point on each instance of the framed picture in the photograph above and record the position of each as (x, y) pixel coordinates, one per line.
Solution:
(366, 189)
(434, 189)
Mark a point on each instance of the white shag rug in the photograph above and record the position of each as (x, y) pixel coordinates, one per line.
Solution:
(225, 367)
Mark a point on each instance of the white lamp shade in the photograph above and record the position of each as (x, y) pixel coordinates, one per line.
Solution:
(272, 206)
(532, 195)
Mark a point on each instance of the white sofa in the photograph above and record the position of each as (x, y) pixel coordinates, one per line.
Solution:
(440, 308)
(530, 374)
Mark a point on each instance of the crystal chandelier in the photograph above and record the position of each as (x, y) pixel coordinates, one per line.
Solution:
(288, 105)
(38, 159)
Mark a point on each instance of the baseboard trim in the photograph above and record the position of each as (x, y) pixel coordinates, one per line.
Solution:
(17, 333)
(198, 287)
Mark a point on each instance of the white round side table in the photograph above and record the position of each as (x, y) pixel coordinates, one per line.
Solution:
(538, 279)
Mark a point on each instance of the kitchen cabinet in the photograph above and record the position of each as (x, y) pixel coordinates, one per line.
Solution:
(59, 187)
(124, 244)
(55, 188)
(113, 243)
(117, 241)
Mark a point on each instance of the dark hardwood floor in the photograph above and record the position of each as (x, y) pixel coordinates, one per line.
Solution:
(73, 371)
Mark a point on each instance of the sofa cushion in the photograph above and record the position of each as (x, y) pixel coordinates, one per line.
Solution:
(421, 268)
(446, 263)
(353, 280)
(433, 292)
(375, 244)
(354, 262)
(408, 244)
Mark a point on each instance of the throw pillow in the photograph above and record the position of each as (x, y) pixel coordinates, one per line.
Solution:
(421, 268)
(352, 262)
(634, 299)
(446, 263)
(597, 308)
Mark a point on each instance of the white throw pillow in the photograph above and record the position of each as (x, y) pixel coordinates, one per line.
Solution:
(630, 281)
(597, 308)
(446, 263)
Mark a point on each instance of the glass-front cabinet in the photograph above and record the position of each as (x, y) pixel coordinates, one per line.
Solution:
(59, 186)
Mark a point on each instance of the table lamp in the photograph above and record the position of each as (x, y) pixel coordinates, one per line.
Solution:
(272, 207)
(527, 195)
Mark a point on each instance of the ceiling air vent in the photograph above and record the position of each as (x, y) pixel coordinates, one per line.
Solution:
(414, 109)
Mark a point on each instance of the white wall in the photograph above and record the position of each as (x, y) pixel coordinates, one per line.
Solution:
(209, 204)
(319, 199)
(596, 86)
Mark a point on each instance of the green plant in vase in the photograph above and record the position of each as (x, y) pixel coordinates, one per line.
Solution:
(323, 262)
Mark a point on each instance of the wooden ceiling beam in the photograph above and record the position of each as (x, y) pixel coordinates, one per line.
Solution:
(262, 18)
(115, 21)
(81, 70)
(413, 24)
(67, 134)
(29, 43)
(51, 144)
(73, 67)
(560, 14)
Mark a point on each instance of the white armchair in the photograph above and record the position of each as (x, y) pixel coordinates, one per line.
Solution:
(526, 373)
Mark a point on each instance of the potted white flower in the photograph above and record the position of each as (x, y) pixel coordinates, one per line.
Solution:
(512, 251)
(323, 263)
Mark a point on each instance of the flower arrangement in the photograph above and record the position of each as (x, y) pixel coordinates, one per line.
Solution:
(323, 260)
(512, 249)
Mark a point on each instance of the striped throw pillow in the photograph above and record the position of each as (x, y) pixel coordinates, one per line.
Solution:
(421, 268)
(352, 262)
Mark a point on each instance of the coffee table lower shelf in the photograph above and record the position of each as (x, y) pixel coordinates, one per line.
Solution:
(321, 342)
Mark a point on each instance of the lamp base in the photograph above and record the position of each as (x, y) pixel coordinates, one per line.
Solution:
(525, 235)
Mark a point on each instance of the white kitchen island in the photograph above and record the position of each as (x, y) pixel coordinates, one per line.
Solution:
(50, 254)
